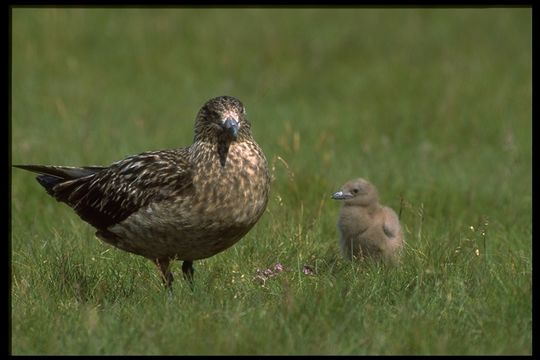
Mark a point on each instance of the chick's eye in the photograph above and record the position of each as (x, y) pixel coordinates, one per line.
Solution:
(355, 191)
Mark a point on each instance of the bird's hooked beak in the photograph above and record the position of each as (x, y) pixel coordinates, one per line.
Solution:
(340, 195)
(230, 127)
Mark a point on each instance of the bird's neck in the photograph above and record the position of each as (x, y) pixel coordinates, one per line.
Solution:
(208, 152)
(223, 150)
(368, 209)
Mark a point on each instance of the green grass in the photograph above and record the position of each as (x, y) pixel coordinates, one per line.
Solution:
(432, 105)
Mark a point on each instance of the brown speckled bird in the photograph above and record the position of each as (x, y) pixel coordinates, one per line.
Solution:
(367, 228)
(185, 204)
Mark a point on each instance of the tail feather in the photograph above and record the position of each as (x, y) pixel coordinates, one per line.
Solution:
(50, 176)
(62, 172)
(49, 182)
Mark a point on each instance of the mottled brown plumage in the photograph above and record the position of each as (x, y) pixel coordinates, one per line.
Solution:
(184, 204)
(367, 229)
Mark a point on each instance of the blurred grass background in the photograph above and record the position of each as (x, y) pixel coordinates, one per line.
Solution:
(433, 106)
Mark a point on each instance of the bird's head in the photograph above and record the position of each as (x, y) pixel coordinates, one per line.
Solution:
(222, 117)
(358, 192)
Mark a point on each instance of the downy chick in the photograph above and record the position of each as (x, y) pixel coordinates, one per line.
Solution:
(367, 228)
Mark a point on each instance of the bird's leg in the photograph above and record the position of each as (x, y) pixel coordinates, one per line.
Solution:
(187, 269)
(166, 274)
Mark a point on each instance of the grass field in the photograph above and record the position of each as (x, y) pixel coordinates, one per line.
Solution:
(434, 106)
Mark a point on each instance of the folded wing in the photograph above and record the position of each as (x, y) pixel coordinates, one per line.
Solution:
(104, 196)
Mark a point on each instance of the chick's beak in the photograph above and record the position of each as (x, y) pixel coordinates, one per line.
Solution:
(230, 126)
(340, 195)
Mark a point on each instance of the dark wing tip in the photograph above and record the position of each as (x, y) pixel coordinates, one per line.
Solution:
(32, 168)
(48, 182)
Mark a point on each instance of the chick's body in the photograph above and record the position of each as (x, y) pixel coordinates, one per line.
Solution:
(367, 229)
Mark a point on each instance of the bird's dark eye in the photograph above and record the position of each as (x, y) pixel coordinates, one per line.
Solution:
(355, 191)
